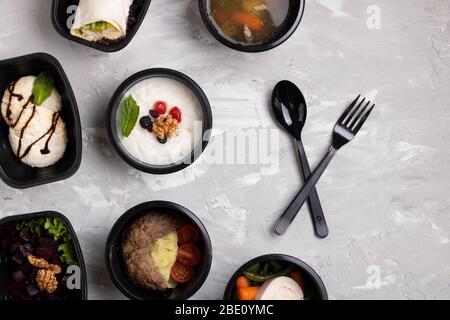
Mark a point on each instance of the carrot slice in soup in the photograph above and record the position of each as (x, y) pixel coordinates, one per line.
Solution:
(247, 293)
(242, 282)
(242, 19)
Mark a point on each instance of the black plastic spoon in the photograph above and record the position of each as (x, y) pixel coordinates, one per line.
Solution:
(289, 107)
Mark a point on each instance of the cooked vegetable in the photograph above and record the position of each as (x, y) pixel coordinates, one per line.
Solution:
(242, 282)
(188, 234)
(248, 293)
(98, 26)
(56, 229)
(262, 272)
(181, 273)
(189, 255)
(298, 277)
(245, 19)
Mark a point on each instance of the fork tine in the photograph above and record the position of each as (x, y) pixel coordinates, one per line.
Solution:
(358, 116)
(355, 110)
(363, 119)
(347, 111)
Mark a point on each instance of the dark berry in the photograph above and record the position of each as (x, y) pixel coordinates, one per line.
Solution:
(162, 141)
(154, 114)
(146, 122)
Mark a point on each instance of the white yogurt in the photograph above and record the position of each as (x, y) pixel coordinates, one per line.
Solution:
(143, 145)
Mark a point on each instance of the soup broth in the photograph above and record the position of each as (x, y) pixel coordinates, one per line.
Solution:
(250, 21)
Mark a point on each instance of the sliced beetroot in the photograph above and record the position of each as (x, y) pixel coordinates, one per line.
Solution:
(45, 253)
(26, 249)
(19, 276)
(16, 245)
(17, 258)
(32, 290)
(15, 290)
(5, 244)
(26, 235)
(32, 275)
(26, 268)
(47, 243)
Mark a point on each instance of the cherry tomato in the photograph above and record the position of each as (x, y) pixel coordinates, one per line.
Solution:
(160, 107)
(181, 273)
(189, 255)
(188, 234)
(175, 112)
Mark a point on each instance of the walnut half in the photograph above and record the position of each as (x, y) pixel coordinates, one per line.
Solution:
(165, 127)
(43, 264)
(46, 281)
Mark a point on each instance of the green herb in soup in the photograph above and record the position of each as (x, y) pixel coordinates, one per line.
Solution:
(250, 21)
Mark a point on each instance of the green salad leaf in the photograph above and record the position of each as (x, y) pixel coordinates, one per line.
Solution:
(67, 253)
(97, 26)
(36, 226)
(56, 229)
(129, 113)
(42, 87)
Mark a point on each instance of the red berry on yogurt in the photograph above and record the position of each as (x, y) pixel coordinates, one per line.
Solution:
(175, 112)
(160, 107)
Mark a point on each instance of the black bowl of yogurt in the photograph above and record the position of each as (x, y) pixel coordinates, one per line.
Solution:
(181, 143)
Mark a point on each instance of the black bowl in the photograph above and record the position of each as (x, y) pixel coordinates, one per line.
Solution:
(297, 9)
(12, 171)
(115, 264)
(114, 104)
(312, 279)
(63, 10)
(9, 222)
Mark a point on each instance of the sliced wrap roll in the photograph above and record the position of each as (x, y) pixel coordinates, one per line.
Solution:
(101, 19)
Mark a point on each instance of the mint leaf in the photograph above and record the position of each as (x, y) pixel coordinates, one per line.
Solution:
(42, 87)
(129, 113)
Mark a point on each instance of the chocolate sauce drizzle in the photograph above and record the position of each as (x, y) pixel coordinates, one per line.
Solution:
(12, 95)
(49, 133)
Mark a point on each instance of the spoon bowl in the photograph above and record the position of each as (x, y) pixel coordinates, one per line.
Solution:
(289, 107)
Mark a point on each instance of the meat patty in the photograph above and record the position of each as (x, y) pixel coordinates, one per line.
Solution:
(141, 233)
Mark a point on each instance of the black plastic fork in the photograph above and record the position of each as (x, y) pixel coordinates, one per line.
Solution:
(345, 130)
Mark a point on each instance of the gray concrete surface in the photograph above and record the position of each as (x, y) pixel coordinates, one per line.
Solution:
(385, 195)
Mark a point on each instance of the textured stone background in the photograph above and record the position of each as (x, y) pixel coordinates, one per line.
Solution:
(385, 195)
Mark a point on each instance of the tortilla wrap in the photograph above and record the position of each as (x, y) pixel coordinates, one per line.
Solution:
(114, 12)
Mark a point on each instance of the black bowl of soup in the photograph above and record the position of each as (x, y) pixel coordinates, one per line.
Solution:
(252, 25)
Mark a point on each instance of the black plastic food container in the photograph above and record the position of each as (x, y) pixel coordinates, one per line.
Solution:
(312, 279)
(114, 104)
(115, 264)
(12, 171)
(4, 274)
(297, 9)
(63, 11)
